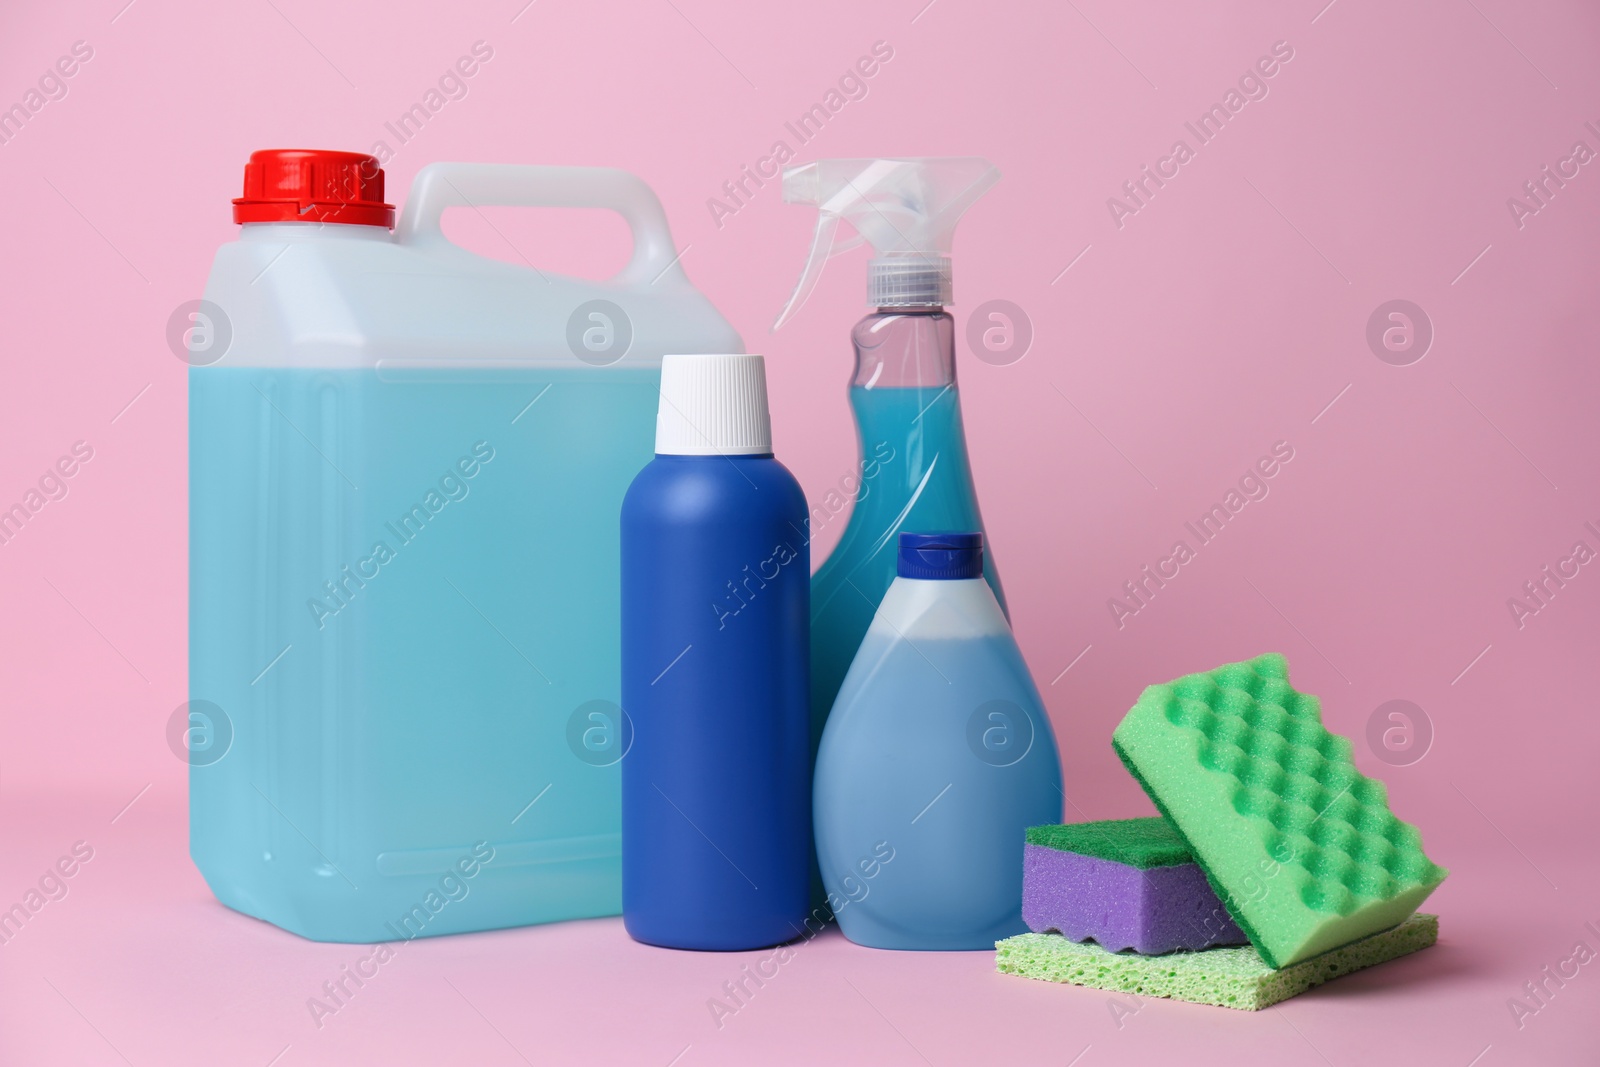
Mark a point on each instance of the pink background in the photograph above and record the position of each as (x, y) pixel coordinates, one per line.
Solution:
(1226, 315)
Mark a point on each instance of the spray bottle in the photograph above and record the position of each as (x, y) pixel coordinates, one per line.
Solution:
(913, 450)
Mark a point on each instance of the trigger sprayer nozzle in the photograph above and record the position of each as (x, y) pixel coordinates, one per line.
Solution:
(907, 209)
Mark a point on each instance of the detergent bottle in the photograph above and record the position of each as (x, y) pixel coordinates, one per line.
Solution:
(913, 449)
(937, 758)
(406, 463)
(716, 580)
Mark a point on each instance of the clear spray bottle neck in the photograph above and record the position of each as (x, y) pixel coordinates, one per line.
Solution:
(905, 348)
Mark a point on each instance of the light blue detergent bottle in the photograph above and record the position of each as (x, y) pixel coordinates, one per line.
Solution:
(936, 759)
(406, 463)
(913, 450)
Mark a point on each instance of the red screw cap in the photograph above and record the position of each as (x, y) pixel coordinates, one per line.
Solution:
(305, 185)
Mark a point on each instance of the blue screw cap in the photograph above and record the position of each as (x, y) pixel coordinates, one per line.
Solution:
(940, 556)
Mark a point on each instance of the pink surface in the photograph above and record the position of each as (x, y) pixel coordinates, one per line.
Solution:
(1227, 313)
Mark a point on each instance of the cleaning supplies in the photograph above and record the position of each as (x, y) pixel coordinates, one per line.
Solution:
(1125, 883)
(1226, 977)
(940, 749)
(1300, 846)
(404, 481)
(903, 393)
(716, 799)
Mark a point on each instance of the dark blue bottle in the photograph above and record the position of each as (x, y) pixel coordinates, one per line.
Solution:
(716, 577)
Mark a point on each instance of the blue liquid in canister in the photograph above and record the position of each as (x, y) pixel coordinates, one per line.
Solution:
(404, 610)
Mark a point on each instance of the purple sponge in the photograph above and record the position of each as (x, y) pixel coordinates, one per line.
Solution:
(1126, 884)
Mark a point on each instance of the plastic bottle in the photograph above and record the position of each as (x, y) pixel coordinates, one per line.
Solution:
(716, 790)
(422, 737)
(938, 754)
(914, 468)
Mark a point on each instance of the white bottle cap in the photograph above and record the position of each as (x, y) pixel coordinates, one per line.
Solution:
(713, 405)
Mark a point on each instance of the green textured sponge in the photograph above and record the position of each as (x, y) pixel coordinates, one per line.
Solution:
(1141, 843)
(1226, 977)
(1299, 845)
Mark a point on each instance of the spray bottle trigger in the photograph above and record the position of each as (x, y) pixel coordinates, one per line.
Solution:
(825, 244)
(906, 209)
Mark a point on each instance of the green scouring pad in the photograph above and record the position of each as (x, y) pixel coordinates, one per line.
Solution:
(1227, 977)
(1141, 843)
(1299, 845)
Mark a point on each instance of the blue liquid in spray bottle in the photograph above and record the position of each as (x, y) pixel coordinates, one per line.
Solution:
(908, 416)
